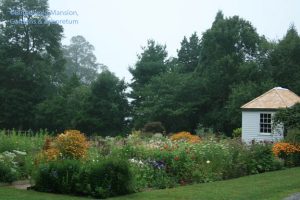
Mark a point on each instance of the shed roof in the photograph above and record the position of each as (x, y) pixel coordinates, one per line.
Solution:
(275, 98)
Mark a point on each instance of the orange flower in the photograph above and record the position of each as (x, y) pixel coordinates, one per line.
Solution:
(176, 158)
(185, 136)
(286, 148)
(70, 144)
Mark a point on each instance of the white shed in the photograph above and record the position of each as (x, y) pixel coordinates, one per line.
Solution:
(257, 115)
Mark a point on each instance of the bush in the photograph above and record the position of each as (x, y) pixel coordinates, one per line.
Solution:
(293, 136)
(154, 127)
(7, 174)
(110, 177)
(237, 133)
(57, 176)
(290, 153)
(186, 137)
(69, 145)
(72, 144)
(12, 165)
(103, 179)
(261, 159)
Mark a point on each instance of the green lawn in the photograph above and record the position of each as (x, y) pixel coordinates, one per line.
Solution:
(268, 186)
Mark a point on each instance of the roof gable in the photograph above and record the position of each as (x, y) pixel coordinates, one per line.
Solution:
(275, 98)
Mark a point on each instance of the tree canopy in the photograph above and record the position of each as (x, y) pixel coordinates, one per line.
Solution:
(44, 84)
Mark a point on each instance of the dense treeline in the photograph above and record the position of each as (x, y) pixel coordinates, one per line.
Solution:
(46, 85)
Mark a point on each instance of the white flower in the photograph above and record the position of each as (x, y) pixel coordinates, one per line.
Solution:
(208, 161)
(20, 152)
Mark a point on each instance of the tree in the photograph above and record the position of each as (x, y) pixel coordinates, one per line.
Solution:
(241, 94)
(81, 59)
(285, 61)
(106, 107)
(290, 117)
(62, 111)
(151, 62)
(230, 45)
(189, 52)
(173, 99)
(31, 60)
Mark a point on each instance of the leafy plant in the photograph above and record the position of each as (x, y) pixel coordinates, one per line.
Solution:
(57, 176)
(237, 133)
(110, 177)
(71, 144)
(154, 127)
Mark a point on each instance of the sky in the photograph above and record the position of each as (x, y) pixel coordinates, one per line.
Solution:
(119, 28)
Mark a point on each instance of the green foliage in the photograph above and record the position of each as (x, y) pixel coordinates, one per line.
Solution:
(285, 62)
(22, 141)
(106, 178)
(58, 177)
(151, 62)
(171, 98)
(271, 181)
(8, 167)
(106, 107)
(7, 175)
(290, 117)
(154, 127)
(241, 94)
(110, 177)
(237, 133)
(189, 53)
(30, 62)
(81, 60)
(261, 159)
(293, 136)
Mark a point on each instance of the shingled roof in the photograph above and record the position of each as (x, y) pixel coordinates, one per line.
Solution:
(275, 98)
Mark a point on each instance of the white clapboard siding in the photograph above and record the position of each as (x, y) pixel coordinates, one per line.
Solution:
(251, 128)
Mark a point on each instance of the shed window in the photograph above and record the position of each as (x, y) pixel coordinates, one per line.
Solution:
(265, 123)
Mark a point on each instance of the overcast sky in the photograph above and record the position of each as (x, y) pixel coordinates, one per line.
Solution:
(118, 28)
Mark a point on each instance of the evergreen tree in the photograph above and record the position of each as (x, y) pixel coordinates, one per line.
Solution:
(30, 61)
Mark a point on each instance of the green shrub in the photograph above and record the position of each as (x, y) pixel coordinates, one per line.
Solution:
(57, 176)
(261, 159)
(293, 136)
(237, 133)
(101, 179)
(110, 177)
(7, 174)
(154, 127)
(12, 164)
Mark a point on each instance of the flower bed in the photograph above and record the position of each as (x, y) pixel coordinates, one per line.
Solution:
(104, 167)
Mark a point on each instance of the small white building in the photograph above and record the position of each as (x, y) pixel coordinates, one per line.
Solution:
(257, 115)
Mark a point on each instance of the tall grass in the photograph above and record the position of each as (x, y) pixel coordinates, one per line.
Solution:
(22, 141)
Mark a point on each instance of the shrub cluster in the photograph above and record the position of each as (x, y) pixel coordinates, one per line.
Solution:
(12, 166)
(289, 152)
(106, 178)
(180, 163)
(71, 144)
(154, 127)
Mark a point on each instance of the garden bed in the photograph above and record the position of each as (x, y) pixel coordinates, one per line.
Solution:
(106, 167)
